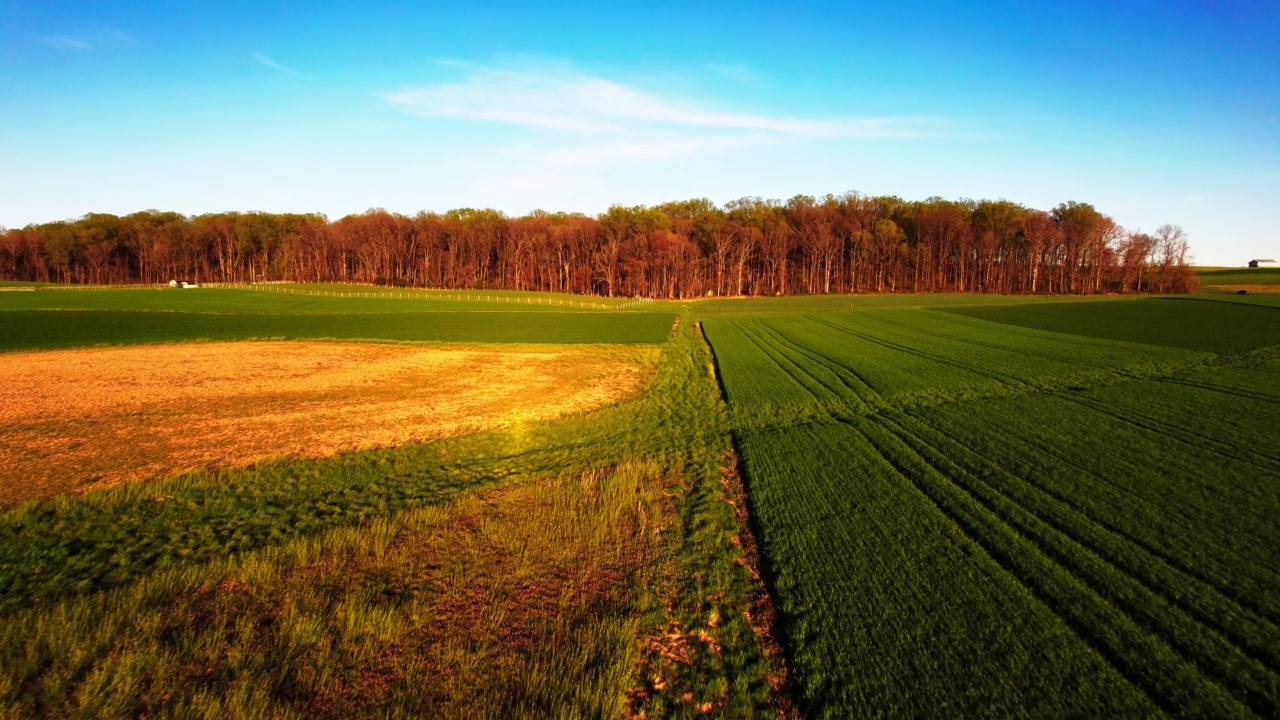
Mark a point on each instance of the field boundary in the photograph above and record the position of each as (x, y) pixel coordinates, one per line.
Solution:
(464, 296)
(763, 615)
(398, 293)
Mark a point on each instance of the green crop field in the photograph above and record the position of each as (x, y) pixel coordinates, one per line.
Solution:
(302, 299)
(33, 329)
(1044, 509)
(963, 506)
(70, 318)
(760, 306)
(1223, 325)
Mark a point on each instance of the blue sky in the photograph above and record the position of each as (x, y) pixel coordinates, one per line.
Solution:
(1154, 112)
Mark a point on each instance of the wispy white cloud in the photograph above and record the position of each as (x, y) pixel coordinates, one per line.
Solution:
(98, 40)
(614, 151)
(264, 60)
(590, 129)
(65, 42)
(594, 105)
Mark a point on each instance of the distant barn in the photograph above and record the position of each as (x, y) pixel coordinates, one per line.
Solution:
(1263, 263)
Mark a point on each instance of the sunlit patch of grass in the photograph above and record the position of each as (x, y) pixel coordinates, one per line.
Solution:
(519, 601)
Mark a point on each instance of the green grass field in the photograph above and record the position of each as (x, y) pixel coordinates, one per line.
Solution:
(1081, 496)
(1199, 322)
(791, 304)
(1239, 276)
(39, 329)
(71, 318)
(965, 506)
(302, 299)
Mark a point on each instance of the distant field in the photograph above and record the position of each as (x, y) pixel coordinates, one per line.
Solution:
(1263, 299)
(824, 303)
(1194, 322)
(32, 329)
(903, 357)
(1239, 276)
(295, 299)
(1081, 496)
(75, 318)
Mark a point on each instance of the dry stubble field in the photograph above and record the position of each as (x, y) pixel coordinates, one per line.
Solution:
(76, 418)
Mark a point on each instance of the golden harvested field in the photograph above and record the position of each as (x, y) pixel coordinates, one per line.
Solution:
(74, 418)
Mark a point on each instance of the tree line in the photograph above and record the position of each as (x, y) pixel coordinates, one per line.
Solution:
(848, 243)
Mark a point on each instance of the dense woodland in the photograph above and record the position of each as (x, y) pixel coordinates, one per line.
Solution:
(835, 244)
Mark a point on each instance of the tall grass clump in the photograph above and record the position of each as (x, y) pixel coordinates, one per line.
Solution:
(521, 601)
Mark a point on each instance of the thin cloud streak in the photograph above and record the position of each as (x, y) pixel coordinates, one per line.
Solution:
(595, 105)
(102, 39)
(65, 42)
(622, 151)
(264, 60)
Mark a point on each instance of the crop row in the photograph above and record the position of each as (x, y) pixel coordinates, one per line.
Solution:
(1185, 641)
(892, 609)
(785, 369)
